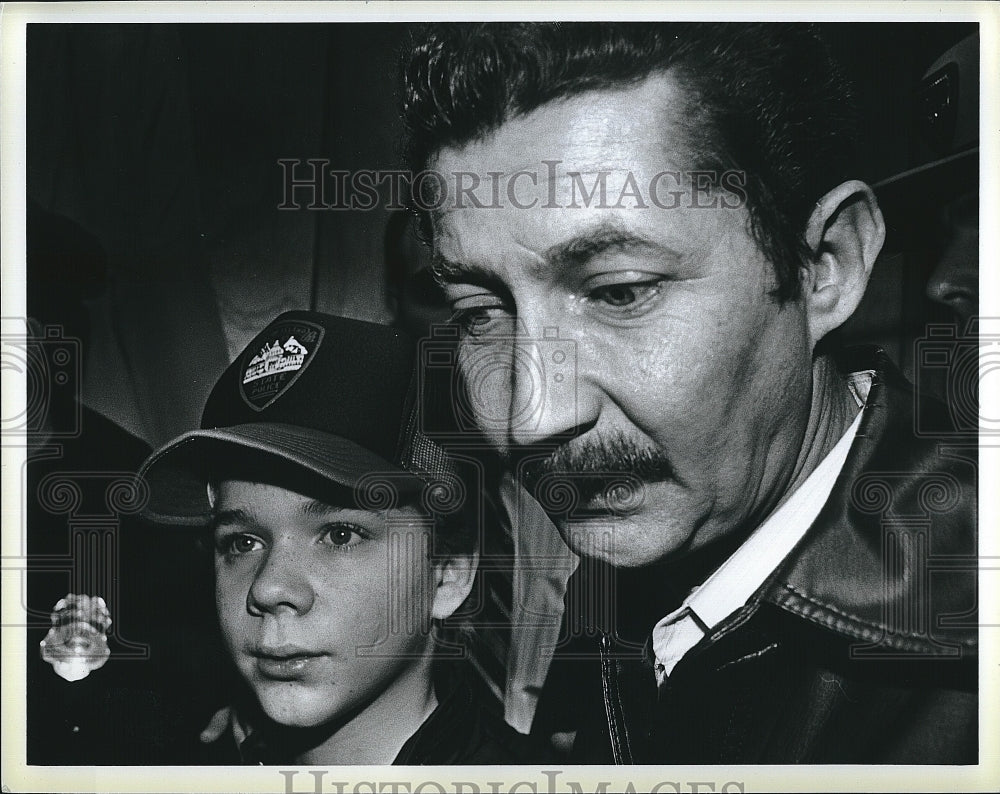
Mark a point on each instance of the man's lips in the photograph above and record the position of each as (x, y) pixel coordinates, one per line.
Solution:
(588, 495)
(286, 663)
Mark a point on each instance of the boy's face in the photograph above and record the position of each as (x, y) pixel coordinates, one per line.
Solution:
(325, 610)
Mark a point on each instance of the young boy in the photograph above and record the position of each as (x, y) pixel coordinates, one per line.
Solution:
(340, 539)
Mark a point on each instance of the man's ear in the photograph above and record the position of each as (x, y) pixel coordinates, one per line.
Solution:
(453, 578)
(845, 234)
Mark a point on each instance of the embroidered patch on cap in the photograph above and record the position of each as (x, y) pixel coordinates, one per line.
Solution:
(285, 351)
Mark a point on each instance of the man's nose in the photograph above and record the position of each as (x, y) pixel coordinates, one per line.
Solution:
(280, 584)
(954, 281)
(545, 388)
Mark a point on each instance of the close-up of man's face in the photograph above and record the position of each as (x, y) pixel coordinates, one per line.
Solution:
(685, 372)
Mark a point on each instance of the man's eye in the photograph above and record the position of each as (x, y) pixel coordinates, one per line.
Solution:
(344, 535)
(482, 320)
(630, 296)
(238, 543)
(616, 294)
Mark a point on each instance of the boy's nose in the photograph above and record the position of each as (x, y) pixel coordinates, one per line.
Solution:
(280, 584)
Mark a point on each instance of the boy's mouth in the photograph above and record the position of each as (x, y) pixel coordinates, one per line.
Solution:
(286, 663)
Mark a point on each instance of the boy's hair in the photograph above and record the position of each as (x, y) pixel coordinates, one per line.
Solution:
(446, 505)
(765, 99)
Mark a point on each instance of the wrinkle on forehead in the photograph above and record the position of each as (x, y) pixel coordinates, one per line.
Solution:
(459, 256)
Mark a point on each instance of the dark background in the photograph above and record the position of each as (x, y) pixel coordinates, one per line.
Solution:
(163, 141)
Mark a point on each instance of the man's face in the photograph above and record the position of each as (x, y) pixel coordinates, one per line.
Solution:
(324, 610)
(682, 371)
(955, 280)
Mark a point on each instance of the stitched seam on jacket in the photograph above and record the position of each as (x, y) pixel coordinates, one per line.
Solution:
(864, 625)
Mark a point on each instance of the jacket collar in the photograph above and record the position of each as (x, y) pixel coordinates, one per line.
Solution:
(446, 734)
(899, 509)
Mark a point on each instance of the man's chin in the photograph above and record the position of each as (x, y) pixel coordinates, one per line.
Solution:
(624, 542)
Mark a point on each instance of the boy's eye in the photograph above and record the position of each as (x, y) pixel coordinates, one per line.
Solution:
(239, 544)
(344, 534)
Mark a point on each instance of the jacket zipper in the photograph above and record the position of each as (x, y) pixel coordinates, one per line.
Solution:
(617, 732)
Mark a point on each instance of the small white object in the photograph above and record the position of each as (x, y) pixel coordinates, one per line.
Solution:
(77, 643)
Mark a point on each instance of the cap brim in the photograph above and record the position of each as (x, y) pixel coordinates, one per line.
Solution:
(178, 473)
(909, 199)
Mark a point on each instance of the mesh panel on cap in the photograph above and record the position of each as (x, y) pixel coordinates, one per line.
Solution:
(425, 457)
(422, 456)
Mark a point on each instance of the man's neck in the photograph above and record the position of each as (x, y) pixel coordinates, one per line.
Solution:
(831, 411)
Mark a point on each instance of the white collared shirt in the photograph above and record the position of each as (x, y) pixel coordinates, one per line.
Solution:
(740, 576)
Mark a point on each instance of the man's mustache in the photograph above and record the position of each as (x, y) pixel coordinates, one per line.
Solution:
(608, 470)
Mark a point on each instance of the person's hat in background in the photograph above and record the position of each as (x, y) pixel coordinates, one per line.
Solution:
(333, 397)
(947, 127)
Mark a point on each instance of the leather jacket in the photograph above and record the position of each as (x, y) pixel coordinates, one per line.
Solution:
(860, 648)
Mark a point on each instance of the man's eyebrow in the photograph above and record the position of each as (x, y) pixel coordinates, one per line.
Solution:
(446, 272)
(600, 239)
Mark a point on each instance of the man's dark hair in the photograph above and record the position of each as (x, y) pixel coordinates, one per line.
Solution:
(765, 99)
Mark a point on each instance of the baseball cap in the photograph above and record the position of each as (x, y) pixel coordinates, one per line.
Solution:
(331, 397)
(946, 127)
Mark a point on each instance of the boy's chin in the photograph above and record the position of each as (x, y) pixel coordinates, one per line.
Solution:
(298, 709)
